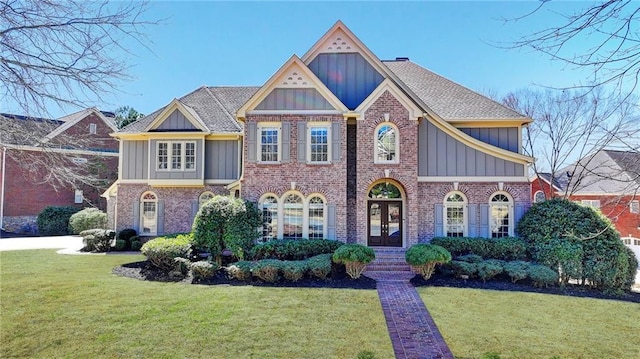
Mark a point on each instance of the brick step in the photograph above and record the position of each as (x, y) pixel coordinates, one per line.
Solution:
(385, 268)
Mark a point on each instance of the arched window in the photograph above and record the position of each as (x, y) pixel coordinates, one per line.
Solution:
(204, 197)
(385, 190)
(539, 197)
(316, 218)
(501, 224)
(387, 143)
(455, 214)
(149, 214)
(292, 216)
(269, 208)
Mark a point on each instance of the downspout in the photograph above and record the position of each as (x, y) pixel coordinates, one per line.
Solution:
(4, 158)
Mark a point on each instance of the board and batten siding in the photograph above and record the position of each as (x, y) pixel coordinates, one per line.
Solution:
(506, 138)
(176, 122)
(348, 75)
(293, 99)
(160, 175)
(442, 155)
(136, 159)
(222, 158)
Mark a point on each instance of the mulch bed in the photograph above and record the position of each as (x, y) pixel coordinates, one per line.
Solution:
(145, 271)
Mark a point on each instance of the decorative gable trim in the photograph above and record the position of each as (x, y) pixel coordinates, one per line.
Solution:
(477, 144)
(293, 74)
(185, 110)
(387, 85)
(71, 120)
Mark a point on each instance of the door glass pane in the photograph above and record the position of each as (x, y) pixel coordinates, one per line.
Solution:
(374, 220)
(393, 211)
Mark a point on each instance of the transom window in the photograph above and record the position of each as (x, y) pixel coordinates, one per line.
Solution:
(455, 215)
(318, 140)
(385, 190)
(269, 148)
(176, 156)
(387, 143)
(539, 197)
(293, 217)
(500, 208)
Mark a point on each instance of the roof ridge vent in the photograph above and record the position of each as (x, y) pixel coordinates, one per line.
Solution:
(402, 59)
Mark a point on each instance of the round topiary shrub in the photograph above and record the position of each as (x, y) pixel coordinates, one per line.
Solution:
(224, 222)
(136, 243)
(97, 240)
(424, 258)
(605, 260)
(121, 245)
(240, 270)
(88, 218)
(54, 220)
(355, 258)
(162, 251)
(127, 234)
(203, 270)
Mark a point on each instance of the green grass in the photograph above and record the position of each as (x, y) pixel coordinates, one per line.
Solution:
(72, 306)
(527, 325)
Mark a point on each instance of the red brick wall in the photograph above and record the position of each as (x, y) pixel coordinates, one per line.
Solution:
(99, 140)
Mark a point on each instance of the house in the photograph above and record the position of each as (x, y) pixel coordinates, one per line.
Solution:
(75, 145)
(335, 144)
(608, 180)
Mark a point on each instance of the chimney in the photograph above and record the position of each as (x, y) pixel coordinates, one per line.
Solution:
(402, 59)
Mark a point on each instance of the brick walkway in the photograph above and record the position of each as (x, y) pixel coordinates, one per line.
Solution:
(412, 330)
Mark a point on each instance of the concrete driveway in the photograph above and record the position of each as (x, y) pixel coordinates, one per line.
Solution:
(21, 243)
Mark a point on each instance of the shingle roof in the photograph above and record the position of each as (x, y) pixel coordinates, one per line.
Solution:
(216, 107)
(547, 177)
(25, 131)
(446, 98)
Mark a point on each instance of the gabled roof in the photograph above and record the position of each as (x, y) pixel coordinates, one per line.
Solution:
(449, 100)
(72, 119)
(547, 178)
(214, 106)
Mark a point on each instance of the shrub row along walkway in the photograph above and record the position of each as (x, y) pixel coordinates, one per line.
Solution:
(412, 330)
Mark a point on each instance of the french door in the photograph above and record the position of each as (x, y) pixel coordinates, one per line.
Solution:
(385, 223)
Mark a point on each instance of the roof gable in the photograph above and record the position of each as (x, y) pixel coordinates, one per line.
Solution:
(72, 119)
(188, 116)
(387, 85)
(295, 76)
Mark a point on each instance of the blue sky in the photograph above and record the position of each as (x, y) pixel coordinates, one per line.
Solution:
(244, 43)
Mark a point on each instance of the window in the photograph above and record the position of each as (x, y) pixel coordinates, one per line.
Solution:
(92, 128)
(149, 214)
(626, 241)
(386, 144)
(292, 219)
(316, 218)
(634, 206)
(269, 207)
(204, 197)
(318, 141)
(78, 196)
(595, 203)
(455, 215)
(269, 147)
(539, 197)
(181, 154)
(500, 208)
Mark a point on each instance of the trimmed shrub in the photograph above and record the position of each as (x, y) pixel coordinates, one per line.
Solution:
(542, 276)
(88, 218)
(563, 256)
(605, 263)
(293, 270)
(470, 258)
(121, 245)
(224, 222)
(424, 258)
(240, 270)
(97, 240)
(182, 266)
(462, 269)
(54, 220)
(136, 245)
(632, 268)
(320, 266)
(162, 251)
(203, 270)
(517, 270)
(490, 268)
(355, 258)
(294, 249)
(506, 248)
(267, 269)
(127, 234)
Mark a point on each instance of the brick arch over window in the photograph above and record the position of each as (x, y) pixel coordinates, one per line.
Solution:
(148, 214)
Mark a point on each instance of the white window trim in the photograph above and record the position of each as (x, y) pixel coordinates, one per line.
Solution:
(260, 127)
(634, 206)
(510, 213)
(141, 220)
(590, 203)
(310, 126)
(535, 196)
(93, 128)
(307, 205)
(78, 196)
(465, 215)
(375, 144)
(183, 156)
(206, 194)
(305, 212)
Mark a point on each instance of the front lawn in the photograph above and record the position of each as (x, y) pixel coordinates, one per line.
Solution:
(72, 306)
(529, 325)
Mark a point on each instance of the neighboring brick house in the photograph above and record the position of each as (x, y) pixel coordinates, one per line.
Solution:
(79, 142)
(336, 144)
(608, 180)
